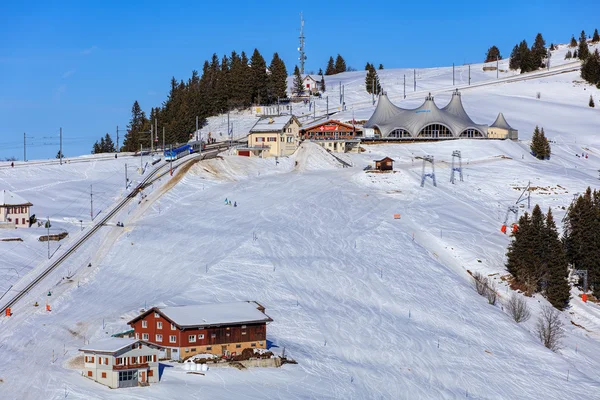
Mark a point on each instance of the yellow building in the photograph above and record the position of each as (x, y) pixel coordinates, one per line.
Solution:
(14, 210)
(500, 129)
(276, 136)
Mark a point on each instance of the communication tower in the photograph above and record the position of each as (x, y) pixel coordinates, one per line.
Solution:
(301, 48)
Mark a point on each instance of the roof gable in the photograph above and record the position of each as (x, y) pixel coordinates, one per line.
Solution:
(8, 198)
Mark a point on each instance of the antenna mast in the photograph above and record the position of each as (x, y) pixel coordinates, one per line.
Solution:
(301, 48)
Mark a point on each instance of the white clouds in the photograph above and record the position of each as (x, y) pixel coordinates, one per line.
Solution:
(87, 52)
(68, 73)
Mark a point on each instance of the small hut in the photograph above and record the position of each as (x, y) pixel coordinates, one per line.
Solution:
(385, 164)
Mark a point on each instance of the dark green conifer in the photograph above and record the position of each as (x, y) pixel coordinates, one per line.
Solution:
(330, 70)
(584, 51)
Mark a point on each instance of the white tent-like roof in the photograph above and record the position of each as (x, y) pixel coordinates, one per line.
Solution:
(501, 123)
(389, 117)
(8, 198)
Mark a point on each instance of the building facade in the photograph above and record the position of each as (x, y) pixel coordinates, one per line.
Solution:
(276, 136)
(332, 135)
(14, 210)
(311, 84)
(220, 329)
(121, 362)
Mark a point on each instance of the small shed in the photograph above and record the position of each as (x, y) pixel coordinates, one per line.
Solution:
(385, 164)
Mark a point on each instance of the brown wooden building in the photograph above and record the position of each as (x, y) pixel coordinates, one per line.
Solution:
(221, 328)
(385, 164)
(329, 129)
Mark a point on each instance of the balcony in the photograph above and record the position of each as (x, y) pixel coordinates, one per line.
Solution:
(130, 366)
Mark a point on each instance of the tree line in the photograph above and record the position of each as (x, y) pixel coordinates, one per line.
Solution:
(529, 59)
(226, 83)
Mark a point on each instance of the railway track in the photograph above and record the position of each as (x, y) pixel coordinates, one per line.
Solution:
(157, 173)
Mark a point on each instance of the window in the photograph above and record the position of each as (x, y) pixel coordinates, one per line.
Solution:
(208, 348)
(173, 339)
(105, 360)
(144, 324)
(290, 139)
(193, 350)
(187, 350)
(90, 373)
(137, 335)
(289, 130)
(260, 139)
(173, 327)
(243, 326)
(23, 219)
(227, 334)
(243, 332)
(260, 343)
(145, 336)
(127, 375)
(253, 344)
(156, 315)
(272, 139)
(154, 357)
(192, 338)
(159, 325)
(238, 346)
(120, 360)
(159, 338)
(104, 374)
(201, 336)
(213, 335)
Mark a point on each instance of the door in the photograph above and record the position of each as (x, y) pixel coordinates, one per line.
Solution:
(143, 376)
(244, 153)
(224, 350)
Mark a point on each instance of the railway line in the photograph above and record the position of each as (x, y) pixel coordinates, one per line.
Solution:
(156, 174)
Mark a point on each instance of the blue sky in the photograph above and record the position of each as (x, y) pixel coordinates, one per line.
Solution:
(80, 66)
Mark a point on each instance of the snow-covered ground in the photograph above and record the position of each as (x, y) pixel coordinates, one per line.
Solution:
(370, 306)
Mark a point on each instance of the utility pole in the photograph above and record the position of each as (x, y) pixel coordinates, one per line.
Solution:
(48, 237)
(117, 138)
(452, 74)
(404, 85)
(163, 139)
(199, 151)
(497, 69)
(301, 48)
(24, 146)
(327, 98)
(91, 203)
(469, 74)
(126, 180)
(415, 79)
(141, 158)
(60, 151)
(156, 131)
(151, 139)
(229, 129)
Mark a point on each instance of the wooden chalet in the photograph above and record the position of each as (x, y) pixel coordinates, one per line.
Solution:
(385, 164)
(329, 129)
(221, 328)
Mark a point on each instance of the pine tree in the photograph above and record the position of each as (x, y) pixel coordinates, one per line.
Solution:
(136, 125)
(556, 285)
(591, 103)
(518, 249)
(380, 66)
(514, 62)
(527, 61)
(298, 86)
(568, 55)
(340, 64)
(546, 151)
(109, 146)
(493, 54)
(277, 78)
(535, 146)
(596, 37)
(552, 47)
(320, 71)
(258, 77)
(330, 70)
(575, 54)
(573, 42)
(60, 155)
(96, 148)
(590, 68)
(538, 52)
(584, 51)
(322, 84)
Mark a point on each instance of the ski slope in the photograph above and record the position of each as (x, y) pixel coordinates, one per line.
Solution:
(370, 306)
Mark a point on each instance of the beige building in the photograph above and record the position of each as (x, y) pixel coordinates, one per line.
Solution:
(14, 210)
(500, 129)
(339, 145)
(121, 362)
(273, 137)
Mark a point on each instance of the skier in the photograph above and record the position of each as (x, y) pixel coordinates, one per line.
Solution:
(229, 202)
(235, 203)
(226, 201)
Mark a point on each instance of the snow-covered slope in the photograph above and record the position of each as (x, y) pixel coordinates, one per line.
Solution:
(370, 306)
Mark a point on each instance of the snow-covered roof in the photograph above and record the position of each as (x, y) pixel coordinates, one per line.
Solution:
(215, 314)
(315, 78)
(315, 123)
(8, 198)
(272, 124)
(388, 117)
(501, 123)
(109, 345)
